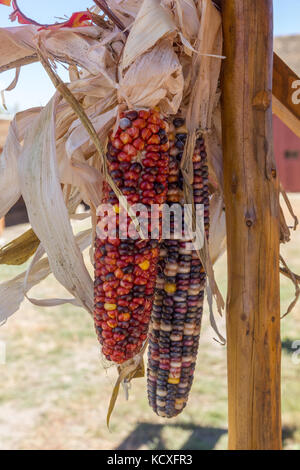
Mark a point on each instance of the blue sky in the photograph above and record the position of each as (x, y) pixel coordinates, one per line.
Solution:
(34, 87)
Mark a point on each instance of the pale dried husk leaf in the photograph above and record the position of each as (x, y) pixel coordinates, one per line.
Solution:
(213, 143)
(16, 46)
(186, 16)
(71, 45)
(217, 229)
(44, 302)
(48, 215)
(12, 292)
(80, 49)
(152, 23)
(77, 137)
(126, 10)
(9, 181)
(154, 79)
(205, 69)
(9, 184)
(11, 86)
(132, 369)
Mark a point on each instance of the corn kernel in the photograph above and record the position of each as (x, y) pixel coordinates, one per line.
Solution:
(112, 323)
(144, 265)
(110, 307)
(170, 288)
(174, 381)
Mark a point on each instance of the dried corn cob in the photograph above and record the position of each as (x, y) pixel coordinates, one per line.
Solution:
(178, 303)
(125, 269)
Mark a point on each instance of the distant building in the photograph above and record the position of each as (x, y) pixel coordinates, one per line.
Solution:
(286, 143)
(287, 153)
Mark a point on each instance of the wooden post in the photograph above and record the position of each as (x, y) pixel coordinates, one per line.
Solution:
(252, 211)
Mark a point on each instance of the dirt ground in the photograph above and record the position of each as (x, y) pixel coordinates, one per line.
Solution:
(55, 391)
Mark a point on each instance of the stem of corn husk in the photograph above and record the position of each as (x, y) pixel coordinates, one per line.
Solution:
(19, 63)
(10, 87)
(132, 369)
(295, 280)
(102, 4)
(205, 74)
(290, 207)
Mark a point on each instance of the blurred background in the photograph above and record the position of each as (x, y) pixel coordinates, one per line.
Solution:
(54, 390)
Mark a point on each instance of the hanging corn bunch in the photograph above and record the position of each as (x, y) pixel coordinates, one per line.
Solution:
(132, 67)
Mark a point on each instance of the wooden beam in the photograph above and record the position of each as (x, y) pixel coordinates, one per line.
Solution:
(283, 91)
(252, 211)
(285, 86)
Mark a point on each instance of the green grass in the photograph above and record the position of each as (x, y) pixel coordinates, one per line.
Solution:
(54, 390)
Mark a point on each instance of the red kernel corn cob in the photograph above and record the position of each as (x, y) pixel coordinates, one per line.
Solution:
(125, 269)
(178, 303)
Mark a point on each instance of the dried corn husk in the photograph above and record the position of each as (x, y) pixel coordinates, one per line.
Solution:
(127, 10)
(9, 182)
(74, 46)
(152, 23)
(154, 79)
(18, 251)
(217, 230)
(186, 16)
(9, 185)
(15, 47)
(10, 87)
(214, 148)
(151, 74)
(204, 79)
(48, 215)
(12, 292)
(152, 70)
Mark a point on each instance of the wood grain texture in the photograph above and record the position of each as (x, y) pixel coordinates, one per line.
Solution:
(285, 86)
(283, 91)
(252, 211)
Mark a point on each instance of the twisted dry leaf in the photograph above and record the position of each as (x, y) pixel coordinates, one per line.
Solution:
(48, 215)
(18, 251)
(152, 23)
(12, 292)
